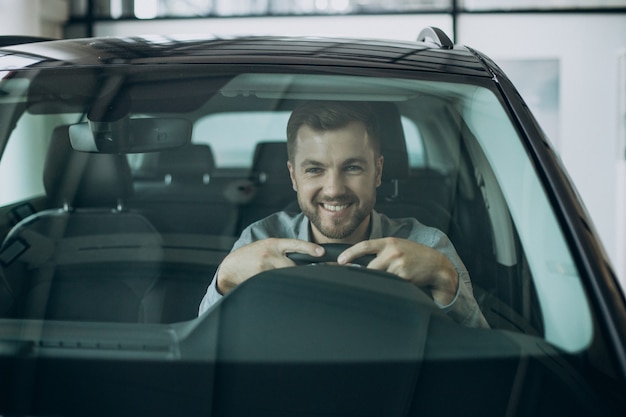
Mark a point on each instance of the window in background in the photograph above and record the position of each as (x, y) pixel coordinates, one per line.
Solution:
(492, 5)
(150, 9)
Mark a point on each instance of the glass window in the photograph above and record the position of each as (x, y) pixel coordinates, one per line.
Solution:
(21, 166)
(539, 4)
(465, 155)
(233, 136)
(150, 9)
(567, 319)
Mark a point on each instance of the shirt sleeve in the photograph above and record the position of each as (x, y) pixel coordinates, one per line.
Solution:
(464, 308)
(212, 295)
(281, 224)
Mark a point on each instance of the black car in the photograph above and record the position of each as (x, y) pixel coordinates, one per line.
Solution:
(131, 165)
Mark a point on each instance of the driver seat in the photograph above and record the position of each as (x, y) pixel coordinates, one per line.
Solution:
(400, 194)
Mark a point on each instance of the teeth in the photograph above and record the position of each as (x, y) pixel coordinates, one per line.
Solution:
(335, 207)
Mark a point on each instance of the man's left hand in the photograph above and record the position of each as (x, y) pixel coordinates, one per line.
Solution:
(419, 264)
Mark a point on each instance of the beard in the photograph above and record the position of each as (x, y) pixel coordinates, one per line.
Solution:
(337, 228)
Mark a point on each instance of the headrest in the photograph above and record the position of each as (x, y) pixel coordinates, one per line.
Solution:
(392, 141)
(192, 163)
(270, 161)
(84, 179)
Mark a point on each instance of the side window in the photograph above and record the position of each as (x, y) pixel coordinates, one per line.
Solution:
(21, 166)
(233, 136)
(517, 203)
(22, 163)
(414, 144)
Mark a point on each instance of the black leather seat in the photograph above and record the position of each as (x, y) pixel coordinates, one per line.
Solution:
(270, 176)
(405, 192)
(183, 196)
(88, 258)
(192, 164)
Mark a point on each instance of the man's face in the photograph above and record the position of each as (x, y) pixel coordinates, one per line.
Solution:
(335, 174)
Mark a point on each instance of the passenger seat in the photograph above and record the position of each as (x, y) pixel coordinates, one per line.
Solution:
(88, 259)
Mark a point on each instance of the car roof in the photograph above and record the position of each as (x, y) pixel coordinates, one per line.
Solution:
(277, 50)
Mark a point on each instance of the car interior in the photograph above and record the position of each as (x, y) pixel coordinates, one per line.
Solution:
(163, 220)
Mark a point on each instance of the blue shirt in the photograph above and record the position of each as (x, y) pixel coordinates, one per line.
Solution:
(464, 309)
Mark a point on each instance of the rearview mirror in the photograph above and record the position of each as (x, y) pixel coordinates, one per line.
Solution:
(130, 135)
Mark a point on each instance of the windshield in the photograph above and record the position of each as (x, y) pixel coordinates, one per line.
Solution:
(126, 190)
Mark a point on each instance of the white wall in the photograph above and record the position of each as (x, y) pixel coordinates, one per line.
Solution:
(17, 18)
(33, 17)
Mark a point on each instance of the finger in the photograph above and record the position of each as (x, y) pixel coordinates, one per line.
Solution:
(301, 246)
(380, 263)
(366, 247)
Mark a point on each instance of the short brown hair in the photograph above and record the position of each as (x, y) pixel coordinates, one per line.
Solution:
(331, 115)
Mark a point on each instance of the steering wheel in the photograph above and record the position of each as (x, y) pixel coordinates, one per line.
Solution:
(332, 251)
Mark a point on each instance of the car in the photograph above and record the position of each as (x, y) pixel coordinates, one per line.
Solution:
(131, 165)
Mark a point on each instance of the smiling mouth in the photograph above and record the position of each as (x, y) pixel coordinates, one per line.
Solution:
(335, 207)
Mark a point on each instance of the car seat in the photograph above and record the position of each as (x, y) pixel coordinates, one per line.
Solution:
(400, 193)
(272, 185)
(88, 258)
(192, 164)
(183, 196)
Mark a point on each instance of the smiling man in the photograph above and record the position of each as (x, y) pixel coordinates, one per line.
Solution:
(335, 165)
(335, 174)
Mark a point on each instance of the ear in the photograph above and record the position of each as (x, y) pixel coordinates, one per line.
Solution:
(292, 175)
(379, 170)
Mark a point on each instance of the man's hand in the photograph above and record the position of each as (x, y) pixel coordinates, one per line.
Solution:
(419, 264)
(260, 256)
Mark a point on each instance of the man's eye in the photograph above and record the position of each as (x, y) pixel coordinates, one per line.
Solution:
(313, 170)
(354, 168)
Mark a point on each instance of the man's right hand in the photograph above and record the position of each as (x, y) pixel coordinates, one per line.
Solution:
(260, 256)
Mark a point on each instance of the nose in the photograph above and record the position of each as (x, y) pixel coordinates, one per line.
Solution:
(334, 184)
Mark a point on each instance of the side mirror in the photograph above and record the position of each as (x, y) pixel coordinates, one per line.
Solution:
(130, 135)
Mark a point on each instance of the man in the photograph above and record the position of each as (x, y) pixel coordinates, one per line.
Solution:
(335, 167)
